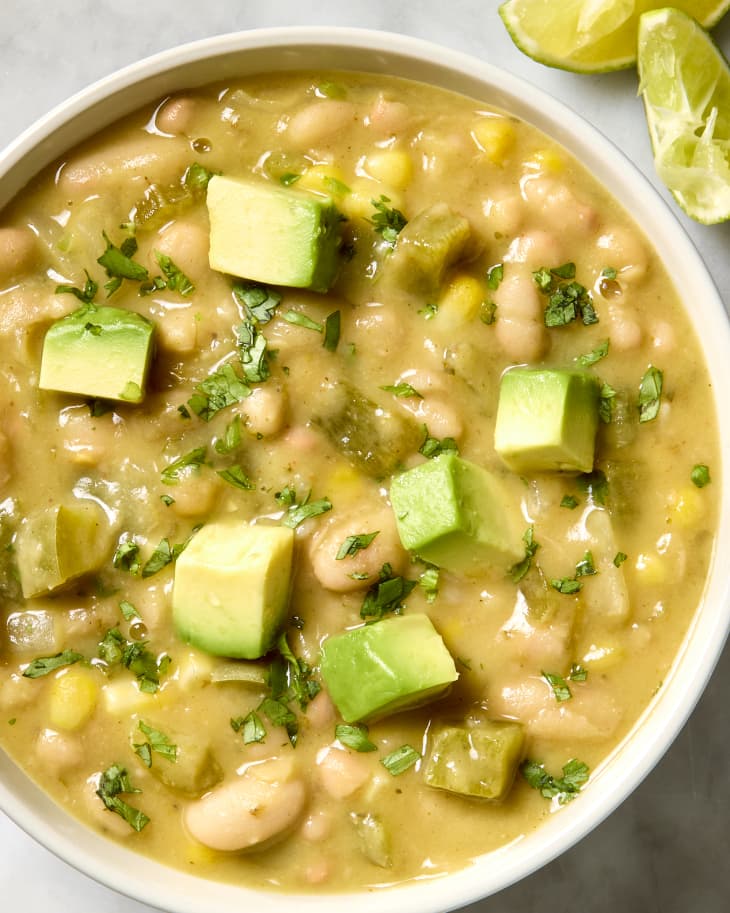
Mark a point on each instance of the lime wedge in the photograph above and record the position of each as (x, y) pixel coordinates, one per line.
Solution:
(589, 36)
(685, 83)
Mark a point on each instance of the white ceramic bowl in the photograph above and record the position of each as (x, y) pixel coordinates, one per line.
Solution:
(312, 48)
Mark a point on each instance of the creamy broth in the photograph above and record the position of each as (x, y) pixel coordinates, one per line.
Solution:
(322, 423)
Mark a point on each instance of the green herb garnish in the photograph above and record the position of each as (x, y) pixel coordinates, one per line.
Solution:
(236, 477)
(565, 788)
(332, 331)
(559, 686)
(595, 356)
(45, 664)
(157, 742)
(221, 389)
(577, 673)
(114, 782)
(387, 595)
(298, 513)
(128, 610)
(429, 582)
(495, 275)
(115, 648)
(354, 736)
(118, 264)
(231, 437)
(402, 389)
(301, 320)
(398, 761)
(700, 475)
(387, 221)
(650, 393)
(619, 558)
(259, 301)
(432, 447)
(519, 570)
(126, 557)
(86, 295)
(585, 567)
(605, 403)
(568, 586)
(188, 462)
(595, 484)
(569, 501)
(353, 544)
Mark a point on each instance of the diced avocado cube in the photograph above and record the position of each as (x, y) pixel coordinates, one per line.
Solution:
(378, 669)
(479, 760)
(547, 420)
(429, 244)
(102, 352)
(276, 235)
(59, 544)
(456, 515)
(231, 588)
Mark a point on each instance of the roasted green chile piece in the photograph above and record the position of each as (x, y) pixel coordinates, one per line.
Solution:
(191, 768)
(430, 243)
(103, 352)
(59, 544)
(373, 439)
(477, 760)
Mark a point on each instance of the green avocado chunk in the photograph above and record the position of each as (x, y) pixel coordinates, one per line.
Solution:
(456, 515)
(61, 543)
(547, 420)
(231, 588)
(276, 235)
(102, 352)
(479, 760)
(378, 669)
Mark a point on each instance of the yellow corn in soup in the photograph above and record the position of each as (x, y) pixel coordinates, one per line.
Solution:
(359, 474)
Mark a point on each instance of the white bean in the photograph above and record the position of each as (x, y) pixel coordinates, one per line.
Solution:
(321, 711)
(386, 547)
(520, 328)
(624, 331)
(559, 206)
(17, 691)
(58, 752)
(260, 805)
(439, 416)
(663, 336)
(177, 331)
(388, 117)
(195, 495)
(18, 252)
(316, 827)
(265, 409)
(536, 249)
(176, 115)
(186, 243)
(625, 252)
(85, 439)
(341, 772)
(505, 215)
(320, 121)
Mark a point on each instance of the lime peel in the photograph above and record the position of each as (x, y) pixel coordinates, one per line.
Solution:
(684, 81)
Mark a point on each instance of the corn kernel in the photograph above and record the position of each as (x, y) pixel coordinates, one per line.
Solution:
(602, 656)
(72, 699)
(495, 136)
(391, 166)
(686, 507)
(345, 483)
(327, 179)
(549, 160)
(461, 301)
(651, 568)
(359, 202)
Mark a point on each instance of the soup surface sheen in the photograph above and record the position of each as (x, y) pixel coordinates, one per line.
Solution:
(261, 412)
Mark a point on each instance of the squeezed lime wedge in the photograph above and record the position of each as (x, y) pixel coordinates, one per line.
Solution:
(589, 36)
(684, 81)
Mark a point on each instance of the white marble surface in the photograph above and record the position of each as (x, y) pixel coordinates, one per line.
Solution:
(666, 849)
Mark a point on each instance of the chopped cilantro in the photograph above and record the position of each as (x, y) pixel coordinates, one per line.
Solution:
(231, 437)
(596, 355)
(568, 300)
(126, 557)
(387, 221)
(45, 664)
(167, 500)
(608, 272)
(519, 570)
(332, 331)
(118, 264)
(386, 595)
(429, 582)
(568, 586)
(235, 476)
(196, 178)
(165, 554)
(650, 393)
(398, 761)
(429, 310)
(252, 727)
(86, 295)
(354, 736)
(585, 567)
(488, 312)
(353, 544)
(432, 447)
(495, 275)
(559, 686)
(298, 513)
(577, 673)
(289, 178)
(700, 475)
(301, 320)
(114, 782)
(569, 501)
(259, 301)
(178, 469)
(128, 610)
(619, 558)
(173, 278)
(115, 648)
(157, 742)
(287, 497)
(402, 389)
(221, 389)
(565, 788)
(605, 403)
(594, 483)
(253, 353)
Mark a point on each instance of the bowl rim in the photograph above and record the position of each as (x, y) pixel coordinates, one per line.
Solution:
(79, 116)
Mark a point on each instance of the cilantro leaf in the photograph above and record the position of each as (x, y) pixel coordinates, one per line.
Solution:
(569, 501)
(432, 447)
(605, 403)
(353, 544)
(231, 437)
(402, 389)
(196, 179)
(595, 484)
(298, 513)
(559, 686)
(45, 664)
(354, 736)
(387, 595)
(126, 557)
(252, 350)
(86, 295)
(700, 475)
(596, 355)
(118, 264)
(173, 472)
(519, 570)
(219, 390)
(568, 586)
(157, 742)
(619, 558)
(259, 301)
(585, 567)
(236, 477)
(650, 393)
(114, 781)
(398, 761)
(565, 788)
(301, 320)
(332, 331)
(387, 221)
(175, 279)
(495, 275)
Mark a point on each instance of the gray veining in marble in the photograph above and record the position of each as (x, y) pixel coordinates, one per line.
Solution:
(666, 850)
